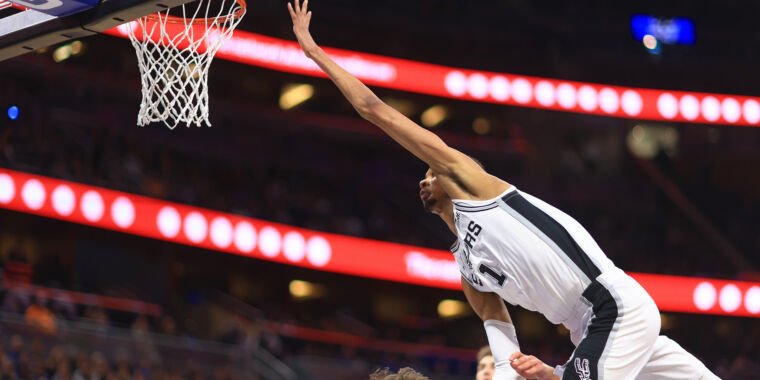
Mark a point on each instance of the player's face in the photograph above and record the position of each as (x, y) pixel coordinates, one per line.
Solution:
(485, 368)
(431, 193)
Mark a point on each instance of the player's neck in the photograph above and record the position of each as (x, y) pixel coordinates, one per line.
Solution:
(447, 215)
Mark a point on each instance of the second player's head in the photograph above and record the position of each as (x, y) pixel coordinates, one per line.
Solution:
(486, 366)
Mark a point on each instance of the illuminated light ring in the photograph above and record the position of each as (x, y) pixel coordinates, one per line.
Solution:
(33, 194)
(294, 246)
(730, 298)
(123, 212)
(566, 96)
(477, 86)
(270, 242)
(456, 83)
(587, 98)
(7, 188)
(92, 206)
(705, 296)
(221, 232)
(632, 103)
(667, 105)
(64, 201)
(522, 91)
(245, 237)
(168, 222)
(318, 251)
(609, 101)
(498, 86)
(689, 107)
(545, 93)
(195, 227)
(710, 108)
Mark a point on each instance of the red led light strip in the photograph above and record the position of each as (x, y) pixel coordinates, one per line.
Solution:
(499, 88)
(229, 233)
(491, 87)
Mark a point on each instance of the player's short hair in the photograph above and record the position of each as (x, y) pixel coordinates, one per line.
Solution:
(483, 352)
(405, 373)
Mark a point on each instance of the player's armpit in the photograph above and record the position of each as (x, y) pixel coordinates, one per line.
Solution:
(486, 305)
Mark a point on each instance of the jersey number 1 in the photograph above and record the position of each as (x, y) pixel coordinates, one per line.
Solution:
(499, 277)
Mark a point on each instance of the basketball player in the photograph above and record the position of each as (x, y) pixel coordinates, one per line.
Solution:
(485, 362)
(513, 246)
(527, 366)
(405, 373)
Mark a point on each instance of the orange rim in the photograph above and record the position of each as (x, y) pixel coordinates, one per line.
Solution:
(203, 20)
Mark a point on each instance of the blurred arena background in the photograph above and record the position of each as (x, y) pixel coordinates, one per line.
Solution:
(231, 252)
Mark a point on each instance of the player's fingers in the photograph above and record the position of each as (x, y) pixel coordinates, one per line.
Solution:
(526, 363)
(292, 13)
(533, 370)
(515, 356)
(297, 5)
(305, 7)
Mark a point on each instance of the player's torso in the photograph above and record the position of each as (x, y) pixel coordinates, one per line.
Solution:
(527, 252)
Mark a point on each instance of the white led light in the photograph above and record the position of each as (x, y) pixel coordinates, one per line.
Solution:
(294, 246)
(318, 251)
(705, 296)
(270, 242)
(196, 227)
(7, 188)
(587, 98)
(477, 86)
(545, 93)
(730, 298)
(667, 105)
(566, 96)
(499, 88)
(245, 237)
(751, 111)
(710, 108)
(609, 101)
(221, 232)
(632, 103)
(64, 201)
(731, 110)
(168, 222)
(522, 91)
(33, 194)
(92, 206)
(456, 83)
(752, 300)
(123, 212)
(689, 106)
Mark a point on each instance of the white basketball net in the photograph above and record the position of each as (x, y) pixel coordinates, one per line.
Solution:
(174, 55)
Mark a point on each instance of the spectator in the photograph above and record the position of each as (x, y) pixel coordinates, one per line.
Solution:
(39, 315)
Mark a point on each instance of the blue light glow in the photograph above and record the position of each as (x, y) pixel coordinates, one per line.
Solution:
(13, 112)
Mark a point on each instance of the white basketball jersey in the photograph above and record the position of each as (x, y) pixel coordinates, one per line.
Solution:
(526, 251)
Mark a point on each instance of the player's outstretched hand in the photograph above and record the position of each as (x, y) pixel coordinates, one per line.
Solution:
(531, 367)
(301, 16)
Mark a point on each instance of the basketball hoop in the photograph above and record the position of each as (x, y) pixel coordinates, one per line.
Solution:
(174, 54)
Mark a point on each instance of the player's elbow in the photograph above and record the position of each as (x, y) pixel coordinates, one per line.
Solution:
(370, 108)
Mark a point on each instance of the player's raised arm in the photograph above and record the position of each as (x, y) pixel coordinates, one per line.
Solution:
(424, 144)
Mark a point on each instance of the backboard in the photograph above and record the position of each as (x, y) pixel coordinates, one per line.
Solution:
(28, 25)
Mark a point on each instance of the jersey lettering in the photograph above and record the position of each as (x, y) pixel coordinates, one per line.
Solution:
(499, 278)
(474, 228)
(471, 237)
